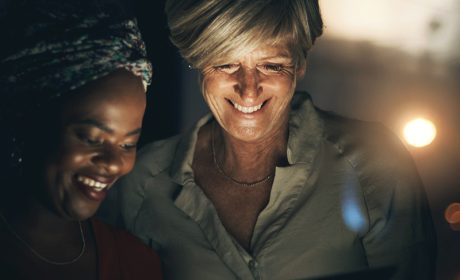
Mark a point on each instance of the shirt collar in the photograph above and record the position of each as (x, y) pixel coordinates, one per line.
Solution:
(181, 168)
(305, 130)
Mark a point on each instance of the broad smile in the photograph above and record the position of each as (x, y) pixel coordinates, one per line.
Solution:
(94, 187)
(246, 109)
(89, 182)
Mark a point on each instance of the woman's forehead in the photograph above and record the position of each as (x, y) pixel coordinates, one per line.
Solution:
(261, 51)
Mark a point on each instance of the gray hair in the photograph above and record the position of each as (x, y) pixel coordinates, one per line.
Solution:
(208, 32)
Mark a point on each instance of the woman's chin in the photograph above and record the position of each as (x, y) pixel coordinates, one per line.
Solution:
(246, 133)
(80, 213)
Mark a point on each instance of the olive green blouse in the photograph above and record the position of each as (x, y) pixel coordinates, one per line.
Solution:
(350, 199)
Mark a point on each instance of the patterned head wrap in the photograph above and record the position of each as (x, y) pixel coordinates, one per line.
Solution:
(50, 48)
(62, 50)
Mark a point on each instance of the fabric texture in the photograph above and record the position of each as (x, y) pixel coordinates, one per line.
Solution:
(122, 256)
(349, 200)
(59, 48)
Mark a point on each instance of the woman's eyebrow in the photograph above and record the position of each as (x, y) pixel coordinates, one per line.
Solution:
(134, 132)
(280, 56)
(95, 123)
(104, 127)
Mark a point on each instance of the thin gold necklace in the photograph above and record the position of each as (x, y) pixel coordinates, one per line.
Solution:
(38, 255)
(228, 177)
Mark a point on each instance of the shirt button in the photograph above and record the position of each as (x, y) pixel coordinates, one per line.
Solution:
(253, 265)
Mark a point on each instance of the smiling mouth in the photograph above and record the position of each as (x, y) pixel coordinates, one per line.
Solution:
(94, 184)
(245, 109)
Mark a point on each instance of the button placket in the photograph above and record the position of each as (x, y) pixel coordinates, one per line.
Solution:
(254, 267)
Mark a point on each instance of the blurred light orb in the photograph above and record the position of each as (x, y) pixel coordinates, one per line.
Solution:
(452, 216)
(452, 213)
(419, 132)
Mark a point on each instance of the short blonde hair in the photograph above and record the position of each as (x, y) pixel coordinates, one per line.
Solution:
(207, 32)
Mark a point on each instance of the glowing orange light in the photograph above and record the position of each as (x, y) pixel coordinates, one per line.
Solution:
(452, 215)
(419, 132)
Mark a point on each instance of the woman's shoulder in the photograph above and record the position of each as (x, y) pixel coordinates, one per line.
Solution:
(386, 171)
(381, 162)
(156, 156)
(367, 145)
(360, 141)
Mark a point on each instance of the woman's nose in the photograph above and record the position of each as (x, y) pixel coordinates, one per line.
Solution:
(110, 161)
(248, 83)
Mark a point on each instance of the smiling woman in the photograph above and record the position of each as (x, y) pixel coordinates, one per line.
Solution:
(268, 186)
(250, 95)
(73, 78)
(97, 144)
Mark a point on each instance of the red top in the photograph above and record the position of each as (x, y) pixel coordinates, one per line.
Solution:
(122, 256)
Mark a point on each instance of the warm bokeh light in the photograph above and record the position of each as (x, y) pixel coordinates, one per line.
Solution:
(452, 215)
(419, 132)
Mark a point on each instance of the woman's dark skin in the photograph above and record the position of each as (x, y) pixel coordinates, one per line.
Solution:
(98, 131)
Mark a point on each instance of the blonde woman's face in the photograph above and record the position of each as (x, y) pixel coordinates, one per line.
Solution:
(250, 96)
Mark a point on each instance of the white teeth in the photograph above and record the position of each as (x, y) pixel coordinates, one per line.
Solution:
(247, 110)
(97, 186)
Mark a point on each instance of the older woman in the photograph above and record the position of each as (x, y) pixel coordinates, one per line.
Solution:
(268, 186)
(73, 78)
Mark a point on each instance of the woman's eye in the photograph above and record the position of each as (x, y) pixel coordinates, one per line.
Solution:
(129, 146)
(93, 141)
(228, 68)
(273, 67)
(89, 140)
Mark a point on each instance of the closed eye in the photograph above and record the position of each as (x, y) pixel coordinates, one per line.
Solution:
(228, 68)
(129, 146)
(273, 67)
(88, 140)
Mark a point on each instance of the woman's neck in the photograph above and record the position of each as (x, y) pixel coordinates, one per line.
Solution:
(34, 221)
(34, 234)
(249, 161)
